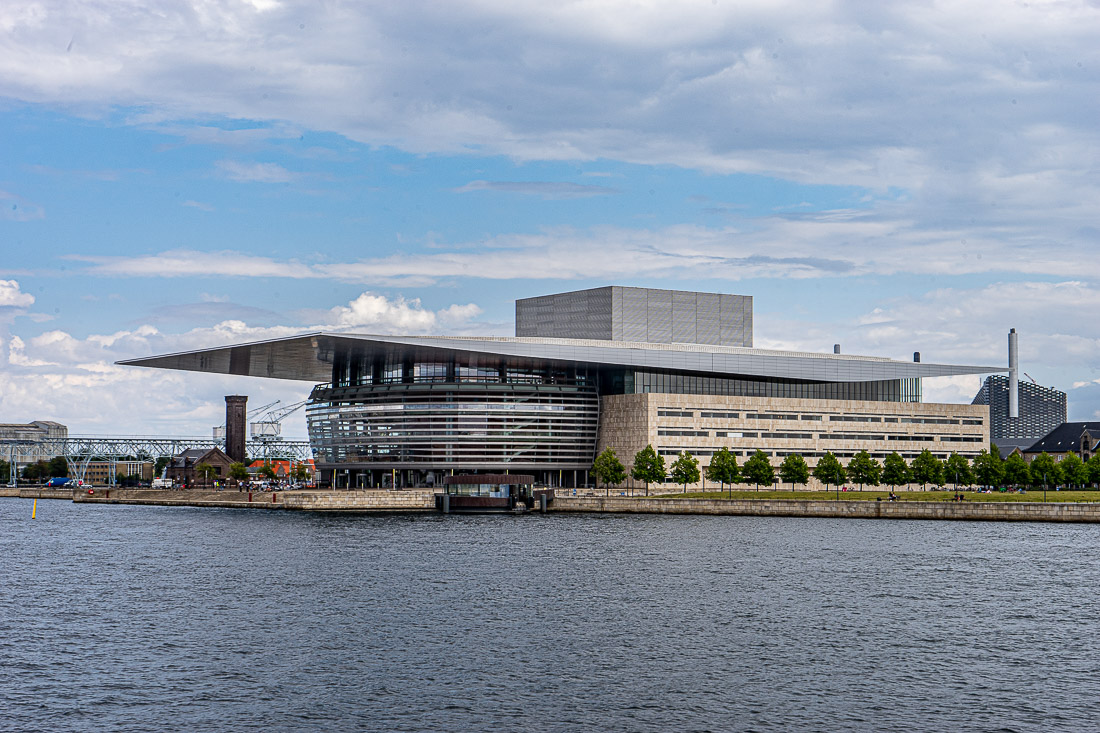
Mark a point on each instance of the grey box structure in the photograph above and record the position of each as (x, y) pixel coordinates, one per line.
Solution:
(617, 313)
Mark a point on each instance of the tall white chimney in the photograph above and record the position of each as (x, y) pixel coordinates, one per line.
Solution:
(1013, 376)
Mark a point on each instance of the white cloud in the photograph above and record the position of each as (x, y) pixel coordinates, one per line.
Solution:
(817, 245)
(970, 326)
(985, 140)
(12, 297)
(544, 189)
(189, 263)
(828, 93)
(382, 315)
(58, 376)
(255, 172)
(17, 355)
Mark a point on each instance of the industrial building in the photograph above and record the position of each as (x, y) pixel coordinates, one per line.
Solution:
(618, 367)
(32, 440)
(1040, 410)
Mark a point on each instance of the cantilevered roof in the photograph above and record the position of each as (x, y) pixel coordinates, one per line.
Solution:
(309, 357)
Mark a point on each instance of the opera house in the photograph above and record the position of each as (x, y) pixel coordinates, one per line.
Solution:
(613, 366)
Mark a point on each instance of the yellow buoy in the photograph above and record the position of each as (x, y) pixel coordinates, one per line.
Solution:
(34, 508)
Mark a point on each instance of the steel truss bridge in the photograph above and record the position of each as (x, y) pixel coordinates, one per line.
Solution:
(80, 450)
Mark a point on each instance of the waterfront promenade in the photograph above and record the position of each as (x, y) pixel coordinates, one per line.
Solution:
(424, 502)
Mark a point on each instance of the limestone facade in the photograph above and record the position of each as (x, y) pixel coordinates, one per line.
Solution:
(702, 424)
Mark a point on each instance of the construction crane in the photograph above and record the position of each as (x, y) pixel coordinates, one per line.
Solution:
(219, 431)
(1031, 378)
(269, 424)
(268, 427)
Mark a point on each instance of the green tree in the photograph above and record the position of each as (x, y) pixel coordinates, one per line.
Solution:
(957, 469)
(1094, 469)
(895, 472)
(36, 471)
(1016, 471)
(268, 472)
(1045, 471)
(989, 469)
(685, 469)
(758, 470)
(793, 470)
(829, 471)
(58, 466)
(1074, 470)
(300, 473)
(158, 467)
(608, 468)
(206, 471)
(238, 472)
(723, 468)
(648, 467)
(5, 471)
(863, 469)
(926, 469)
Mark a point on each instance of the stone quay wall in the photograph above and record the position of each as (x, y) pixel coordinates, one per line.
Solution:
(58, 493)
(361, 501)
(967, 511)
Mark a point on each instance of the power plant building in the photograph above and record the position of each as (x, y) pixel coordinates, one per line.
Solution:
(608, 367)
(1041, 409)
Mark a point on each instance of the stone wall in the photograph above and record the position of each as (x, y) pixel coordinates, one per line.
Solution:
(58, 493)
(969, 511)
(362, 501)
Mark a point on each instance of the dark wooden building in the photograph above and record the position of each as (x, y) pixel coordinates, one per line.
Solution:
(182, 468)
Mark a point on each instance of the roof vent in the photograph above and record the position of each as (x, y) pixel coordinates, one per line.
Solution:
(916, 356)
(836, 348)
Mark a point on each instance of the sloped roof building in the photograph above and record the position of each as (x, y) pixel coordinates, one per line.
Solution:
(390, 410)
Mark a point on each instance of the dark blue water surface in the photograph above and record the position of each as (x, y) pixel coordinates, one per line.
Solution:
(129, 618)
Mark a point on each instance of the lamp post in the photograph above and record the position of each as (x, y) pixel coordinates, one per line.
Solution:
(1044, 486)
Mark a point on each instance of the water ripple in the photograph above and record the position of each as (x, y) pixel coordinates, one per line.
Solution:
(147, 618)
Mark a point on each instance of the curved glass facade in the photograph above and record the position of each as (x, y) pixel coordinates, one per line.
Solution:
(371, 431)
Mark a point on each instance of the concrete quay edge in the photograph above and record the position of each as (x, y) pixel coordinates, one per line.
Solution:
(327, 501)
(862, 509)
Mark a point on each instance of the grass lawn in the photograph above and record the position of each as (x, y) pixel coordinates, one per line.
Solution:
(868, 495)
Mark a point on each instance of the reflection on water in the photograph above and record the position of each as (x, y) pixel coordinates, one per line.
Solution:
(144, 618)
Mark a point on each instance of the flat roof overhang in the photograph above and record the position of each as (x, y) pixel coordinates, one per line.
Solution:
(309, 357)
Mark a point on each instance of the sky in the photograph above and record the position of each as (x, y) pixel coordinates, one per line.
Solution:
(892, 177)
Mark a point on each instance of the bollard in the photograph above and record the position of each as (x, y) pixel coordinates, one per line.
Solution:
(249, 497)
(446, 503)
(273, 495)
(542, 503)
(108, 493)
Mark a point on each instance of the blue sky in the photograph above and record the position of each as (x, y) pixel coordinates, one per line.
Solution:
(917, 177)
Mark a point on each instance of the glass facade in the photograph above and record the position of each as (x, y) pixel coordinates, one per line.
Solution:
(392, 420)
(454, 426)
(634, 381)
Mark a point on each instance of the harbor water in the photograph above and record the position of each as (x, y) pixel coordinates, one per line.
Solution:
(138, 618)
